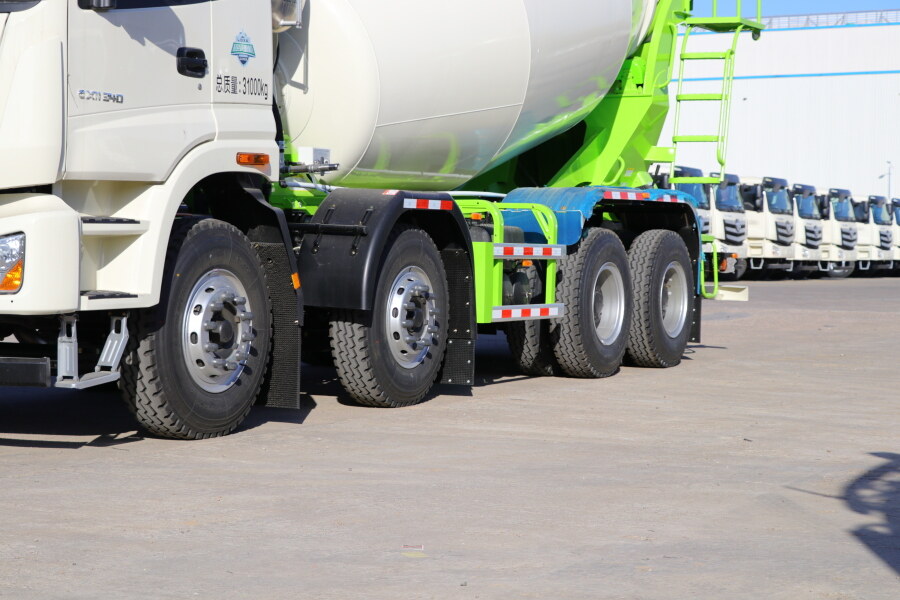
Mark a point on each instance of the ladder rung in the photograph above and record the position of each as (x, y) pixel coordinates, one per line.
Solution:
(698, 97)
(705, 55)
(695, 138)
(677, 180)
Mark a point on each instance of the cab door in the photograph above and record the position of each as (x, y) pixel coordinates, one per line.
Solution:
(139, 87)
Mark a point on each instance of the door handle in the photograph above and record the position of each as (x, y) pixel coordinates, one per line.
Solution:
(191, 62)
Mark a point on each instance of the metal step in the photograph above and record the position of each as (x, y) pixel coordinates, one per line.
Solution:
(695, 138)
(526, 251)
(699, 97)
(724, 24)
(711, 180)
(112, 226)
(704, 55)
(106, 295)
(527, 312)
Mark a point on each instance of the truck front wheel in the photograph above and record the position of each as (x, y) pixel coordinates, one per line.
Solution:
(390, 356)
(196, 361)
(663, 299)
(595, 286)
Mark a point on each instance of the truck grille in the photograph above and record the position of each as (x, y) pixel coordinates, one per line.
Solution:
(848, 237)
(704, 226)
(784, 231)
(887, 239)
(735, 231)
(813, 236)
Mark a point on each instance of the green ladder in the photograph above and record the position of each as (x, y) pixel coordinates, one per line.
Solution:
(718, 24)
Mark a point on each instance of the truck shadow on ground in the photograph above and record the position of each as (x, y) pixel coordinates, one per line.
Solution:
(877, 492)
(38, 418)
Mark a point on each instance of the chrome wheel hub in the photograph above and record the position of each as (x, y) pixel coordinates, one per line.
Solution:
(218, 331)
(411, 317)
(673, 299)
(608, 303)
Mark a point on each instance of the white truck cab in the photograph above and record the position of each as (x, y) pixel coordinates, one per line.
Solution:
(728, 221)
(839, 234)
(895, 232)
(770, 224)
(808, 228)
(875, 243)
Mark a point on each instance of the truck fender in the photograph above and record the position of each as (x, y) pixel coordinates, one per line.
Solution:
(341, 250)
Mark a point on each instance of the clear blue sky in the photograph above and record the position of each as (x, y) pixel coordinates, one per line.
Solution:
(796, 7)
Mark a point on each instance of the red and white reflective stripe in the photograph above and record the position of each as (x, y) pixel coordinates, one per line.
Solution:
(423, 204)
(538, 311)
(620, 195)
(514, 251)
(668, 198)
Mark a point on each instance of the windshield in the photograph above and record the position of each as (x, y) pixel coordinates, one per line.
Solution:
(779, 203)
(882, 214)
(897, 214)
(861, 212)
(808, 207)
(843, 210)
(727, 199)
(698, 191)
(14, 5)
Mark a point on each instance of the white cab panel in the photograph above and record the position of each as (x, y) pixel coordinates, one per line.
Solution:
(132, 115)
(32, 64)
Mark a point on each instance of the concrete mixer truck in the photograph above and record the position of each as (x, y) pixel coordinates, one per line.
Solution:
(189, 189)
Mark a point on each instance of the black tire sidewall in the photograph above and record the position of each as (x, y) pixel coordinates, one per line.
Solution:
(207, 248)
(412, 247)
(670, 249)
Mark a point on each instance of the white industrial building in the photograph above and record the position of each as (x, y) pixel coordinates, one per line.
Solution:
(816, 100)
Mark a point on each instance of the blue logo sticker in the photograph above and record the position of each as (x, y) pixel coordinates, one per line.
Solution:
(243, 48)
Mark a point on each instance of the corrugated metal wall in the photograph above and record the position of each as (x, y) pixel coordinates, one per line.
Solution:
(814, 105)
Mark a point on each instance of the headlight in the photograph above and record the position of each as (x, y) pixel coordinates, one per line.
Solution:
(12, 262)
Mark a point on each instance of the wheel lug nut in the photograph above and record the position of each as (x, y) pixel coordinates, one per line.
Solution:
(216, 306)
(239, 301)
(245, 316)
(219, 364)
(210, 326)
(231, 366)
(240, 355)
(407, 323)
(248, 336)
(210, 347)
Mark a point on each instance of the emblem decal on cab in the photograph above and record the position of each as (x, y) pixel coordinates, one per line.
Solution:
(242, 48)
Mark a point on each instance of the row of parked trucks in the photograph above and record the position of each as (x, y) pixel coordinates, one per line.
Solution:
(772, 228)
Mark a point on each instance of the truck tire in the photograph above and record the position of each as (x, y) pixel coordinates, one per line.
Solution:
(390, 356)
(529, 341)
(595, 285)
(663, 299)
(196, 361)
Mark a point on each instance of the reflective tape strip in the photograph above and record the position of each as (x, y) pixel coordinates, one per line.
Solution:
(668, 198)
(620, 195)
(518, 313)
(423, 204)
(517, 251)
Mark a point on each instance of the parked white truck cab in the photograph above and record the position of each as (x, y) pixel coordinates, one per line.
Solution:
(874, 247)
(770, 224)
(895, 232)
(806, 252)
(728, 222)
(839, 235)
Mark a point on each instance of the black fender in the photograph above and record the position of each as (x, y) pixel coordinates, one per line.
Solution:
(340, 255)
(342, 249)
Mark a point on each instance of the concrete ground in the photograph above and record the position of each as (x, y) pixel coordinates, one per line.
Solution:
(766, 466)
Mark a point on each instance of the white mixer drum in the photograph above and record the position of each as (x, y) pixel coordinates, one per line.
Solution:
(427, 94)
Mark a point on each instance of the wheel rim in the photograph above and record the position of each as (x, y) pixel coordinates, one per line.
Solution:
(411, 317)
(608, 304)
(673, 299)
(218, 331)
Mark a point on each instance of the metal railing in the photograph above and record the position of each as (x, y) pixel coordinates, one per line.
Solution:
(871, 17)
(738, 6)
